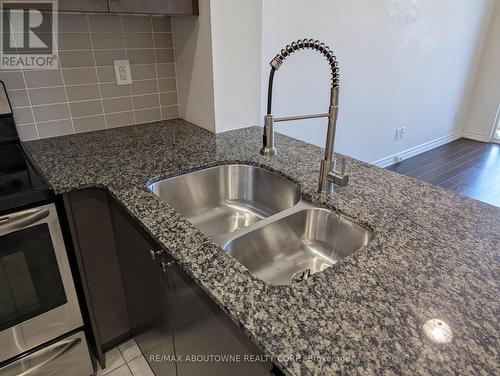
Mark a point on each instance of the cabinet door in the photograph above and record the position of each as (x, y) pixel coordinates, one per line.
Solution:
(202, 328)
(83, 5)
(92, 232)
(154, 6)
(146, 294)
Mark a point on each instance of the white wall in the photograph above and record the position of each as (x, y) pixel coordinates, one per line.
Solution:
(402, 63)
(193, 60)
(218, 59)
(236, 48)
(485, 95)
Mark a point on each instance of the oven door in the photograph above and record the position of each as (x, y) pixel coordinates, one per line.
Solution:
(37, 296)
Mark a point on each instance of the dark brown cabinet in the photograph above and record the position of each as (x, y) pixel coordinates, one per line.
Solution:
(133, 288)
(146, 292)
(154, 6)
(202, 329)
(163, 7)
(83, 5)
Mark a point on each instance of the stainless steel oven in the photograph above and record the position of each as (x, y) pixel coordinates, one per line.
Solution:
(38, 302)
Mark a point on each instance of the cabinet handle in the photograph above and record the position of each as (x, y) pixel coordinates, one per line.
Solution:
(165, 265)
(155, 253)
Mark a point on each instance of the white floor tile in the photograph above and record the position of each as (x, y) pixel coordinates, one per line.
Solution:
(140, 367)
(114, 359)
(120, 371)
(129, 350)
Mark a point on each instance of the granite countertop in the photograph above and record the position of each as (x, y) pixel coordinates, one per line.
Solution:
(435, 254)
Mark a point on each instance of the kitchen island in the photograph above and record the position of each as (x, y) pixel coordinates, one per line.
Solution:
(434, 254)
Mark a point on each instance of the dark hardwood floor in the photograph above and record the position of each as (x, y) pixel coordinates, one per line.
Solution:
(469, 167)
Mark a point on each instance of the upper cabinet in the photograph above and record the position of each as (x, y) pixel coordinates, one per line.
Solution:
(154, 6)
(83, 5)
(171, 7)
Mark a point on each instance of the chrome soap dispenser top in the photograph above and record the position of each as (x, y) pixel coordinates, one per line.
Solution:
(328, 171)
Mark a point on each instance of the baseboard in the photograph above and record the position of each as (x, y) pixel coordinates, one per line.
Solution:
(474, 136)
(411, 152)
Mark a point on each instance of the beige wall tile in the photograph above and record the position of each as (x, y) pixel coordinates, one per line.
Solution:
(142, 72)
(164, 55)
(27, 132)
(167, 84)
(87, 56)
(12, 80)
(146, 101)
(107, 41)
(19, 98)
(137, 23)
(163, 40)
(23, 115)
(139, 40)
(72, 22)
(76, 76)
(105, 22)
(55, 128)
(83, 92)
(87, 124)
(117, 104)
(43, 78)
(86, 108)
(161, 24)
(74, 41)
(106, 57)
(73, 59)
(107, 74)
(47, 95)
(170, 112)
(110, 90)
(145, 87)
(168, 99)
(144, 116)
(51, 112)
(120, 119)
(141, 56)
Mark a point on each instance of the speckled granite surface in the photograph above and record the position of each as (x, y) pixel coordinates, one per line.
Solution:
(435, 254)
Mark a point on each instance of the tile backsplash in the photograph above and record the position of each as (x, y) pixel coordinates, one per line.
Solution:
(82, 95)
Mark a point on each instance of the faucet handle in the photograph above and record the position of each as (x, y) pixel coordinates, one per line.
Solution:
(339, 177)
(342, 167)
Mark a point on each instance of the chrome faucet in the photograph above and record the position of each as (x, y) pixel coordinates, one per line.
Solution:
(328, 171)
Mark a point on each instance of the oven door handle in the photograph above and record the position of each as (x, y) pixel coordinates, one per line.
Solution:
(63, 347)
(21, 220)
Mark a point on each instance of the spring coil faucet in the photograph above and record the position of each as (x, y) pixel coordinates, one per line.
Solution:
(328, 172)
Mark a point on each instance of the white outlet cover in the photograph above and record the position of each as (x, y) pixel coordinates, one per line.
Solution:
(122, 72)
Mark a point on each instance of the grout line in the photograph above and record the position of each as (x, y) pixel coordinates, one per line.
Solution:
(114, 49)
(156, 67)
(96, 72)
(95, 99)
(175, 67)
(131, 78)
(113, 32)
(83, 67)
(85, 84)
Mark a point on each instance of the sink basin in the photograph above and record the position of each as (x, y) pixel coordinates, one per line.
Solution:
(297, 245)
(223, 199)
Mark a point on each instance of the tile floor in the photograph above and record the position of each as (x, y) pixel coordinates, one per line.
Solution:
(125, 360)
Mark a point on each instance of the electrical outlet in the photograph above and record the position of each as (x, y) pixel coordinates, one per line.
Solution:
(402, 132)
(122, 71)
(399, 134)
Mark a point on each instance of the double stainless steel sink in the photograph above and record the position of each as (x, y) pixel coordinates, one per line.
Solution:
(258, 218)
